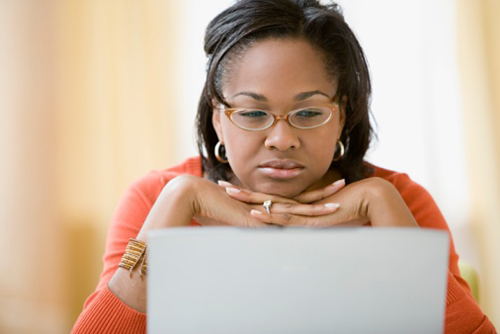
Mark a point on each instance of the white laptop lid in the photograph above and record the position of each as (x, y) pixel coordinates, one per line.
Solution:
(294, 280)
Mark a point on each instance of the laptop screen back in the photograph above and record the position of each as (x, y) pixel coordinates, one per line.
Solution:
(293, 280)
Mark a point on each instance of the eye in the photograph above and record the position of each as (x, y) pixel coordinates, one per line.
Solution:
(309, 113)
(252, 113)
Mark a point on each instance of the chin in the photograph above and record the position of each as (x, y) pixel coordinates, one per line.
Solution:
(282, 190)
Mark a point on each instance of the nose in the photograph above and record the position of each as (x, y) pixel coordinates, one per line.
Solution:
(282, 136)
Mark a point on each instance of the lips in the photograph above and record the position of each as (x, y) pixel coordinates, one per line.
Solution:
(281, 164)
(281, 169)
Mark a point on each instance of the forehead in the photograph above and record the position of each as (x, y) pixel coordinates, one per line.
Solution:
(279, 68)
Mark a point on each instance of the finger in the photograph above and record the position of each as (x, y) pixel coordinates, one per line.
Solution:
(225, 184)
(254, 223)
(248, 196)
(354, 223)
(303, 209)
(286, 219)
(297, 215)
(318, 195)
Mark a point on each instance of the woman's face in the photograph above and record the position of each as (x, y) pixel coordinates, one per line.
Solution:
(279, 75)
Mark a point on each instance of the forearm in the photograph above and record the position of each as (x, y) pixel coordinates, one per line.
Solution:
(172, 208)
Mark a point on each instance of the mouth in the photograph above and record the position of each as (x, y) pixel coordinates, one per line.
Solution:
(281, 169)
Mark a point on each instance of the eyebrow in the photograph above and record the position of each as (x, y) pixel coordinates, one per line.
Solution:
(299, 97)
(306, 95)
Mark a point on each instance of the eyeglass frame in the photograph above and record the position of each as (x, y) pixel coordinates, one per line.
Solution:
(229, 111)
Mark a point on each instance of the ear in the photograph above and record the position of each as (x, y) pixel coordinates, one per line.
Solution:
(216, 120)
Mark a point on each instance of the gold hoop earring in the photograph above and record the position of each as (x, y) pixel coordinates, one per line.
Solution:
(217, 150)
(341, 151)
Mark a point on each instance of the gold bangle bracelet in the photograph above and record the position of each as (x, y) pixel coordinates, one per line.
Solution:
(135, 253)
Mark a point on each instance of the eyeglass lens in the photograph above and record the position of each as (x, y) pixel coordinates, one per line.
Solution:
(303, 118)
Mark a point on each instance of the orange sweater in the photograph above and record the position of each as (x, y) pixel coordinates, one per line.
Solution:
(103, 312)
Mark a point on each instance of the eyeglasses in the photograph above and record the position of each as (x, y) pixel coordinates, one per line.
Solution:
(258, 120)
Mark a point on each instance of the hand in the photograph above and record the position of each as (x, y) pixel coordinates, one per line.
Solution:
(370, 200)
(304, 205)
(186, 197)
(312, 196)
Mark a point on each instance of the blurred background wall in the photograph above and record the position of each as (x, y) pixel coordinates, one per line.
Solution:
(93, 94)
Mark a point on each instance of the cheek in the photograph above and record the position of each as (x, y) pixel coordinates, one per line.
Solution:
(241, 152)
(322, 150)
(241, 146)
(325, 141)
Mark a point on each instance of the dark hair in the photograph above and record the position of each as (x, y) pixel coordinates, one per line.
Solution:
(248, 21)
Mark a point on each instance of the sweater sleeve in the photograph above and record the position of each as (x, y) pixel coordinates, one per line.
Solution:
(103, 312)
(463, 314)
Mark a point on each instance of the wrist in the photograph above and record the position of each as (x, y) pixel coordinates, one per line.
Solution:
(386, 207)
(174, 206)
(182, 190)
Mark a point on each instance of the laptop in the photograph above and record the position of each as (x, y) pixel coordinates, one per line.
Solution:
(297, 280)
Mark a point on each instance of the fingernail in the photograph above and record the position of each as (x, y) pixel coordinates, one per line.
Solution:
(332, 205)
(224, 183)
(339, 182)
(233, 191)
(255, 212)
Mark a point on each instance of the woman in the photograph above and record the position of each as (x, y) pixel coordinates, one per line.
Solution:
(284, 122)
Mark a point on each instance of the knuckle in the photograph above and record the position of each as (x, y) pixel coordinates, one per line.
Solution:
(318, 222)
(352, 213)
(299, 198)
(285, 217)
(251, 223)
